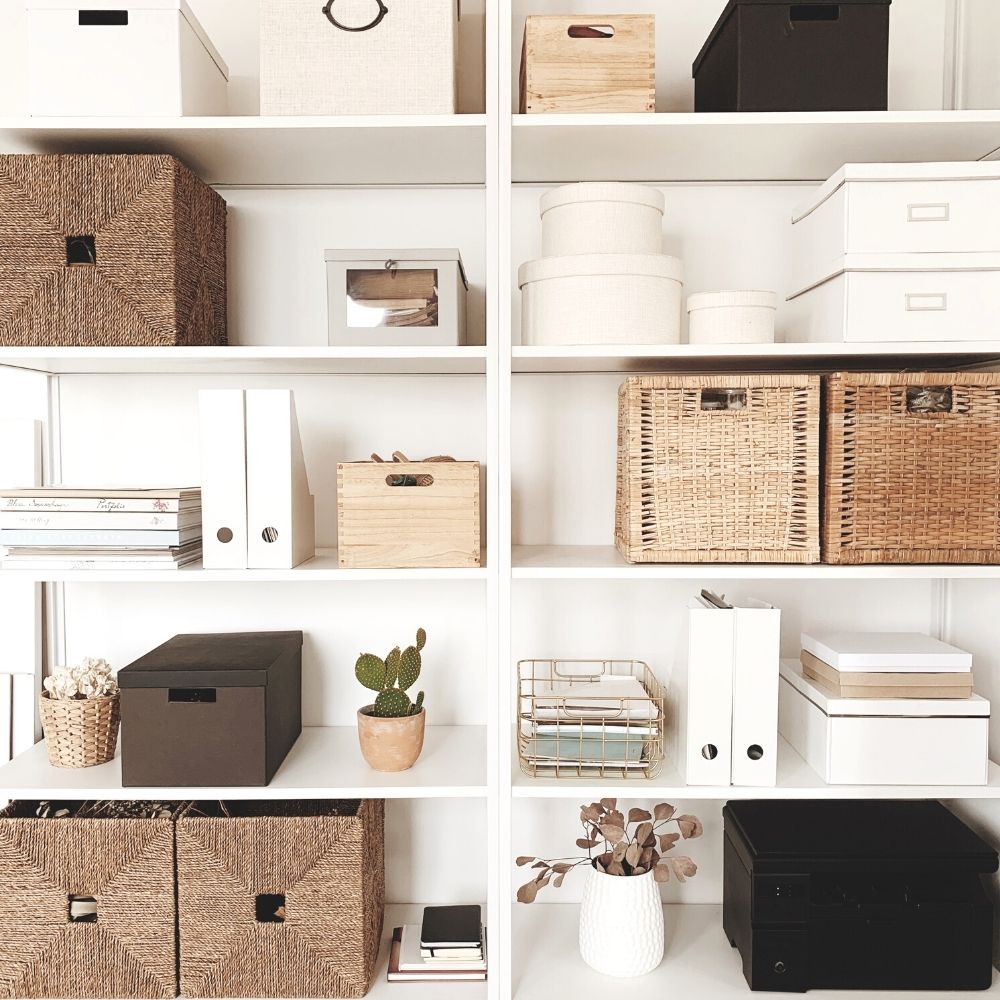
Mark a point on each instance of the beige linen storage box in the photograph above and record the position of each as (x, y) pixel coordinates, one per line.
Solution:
(408, 515)
(718, 468)
(588, 63)
(358, 57)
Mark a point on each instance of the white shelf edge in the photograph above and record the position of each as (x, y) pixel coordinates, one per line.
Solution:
(263, 123)
(455, 752)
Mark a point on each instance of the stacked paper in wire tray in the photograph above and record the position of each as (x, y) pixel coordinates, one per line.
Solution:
(60, 527)
(886, 665)
(587, 717)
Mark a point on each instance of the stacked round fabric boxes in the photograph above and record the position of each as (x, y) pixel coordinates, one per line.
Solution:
(603, 277)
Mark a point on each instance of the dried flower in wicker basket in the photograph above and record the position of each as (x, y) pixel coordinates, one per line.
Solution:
(80, 714)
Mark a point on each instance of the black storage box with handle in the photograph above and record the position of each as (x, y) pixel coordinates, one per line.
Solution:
(856, 895)
(214, 710)
(771, 55)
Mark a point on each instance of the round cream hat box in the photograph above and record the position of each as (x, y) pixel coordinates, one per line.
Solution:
(630, 299)
(737, 317)
(603, 217)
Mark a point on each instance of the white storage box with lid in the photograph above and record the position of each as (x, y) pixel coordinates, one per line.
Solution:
(601, 299)
(884, 741)
(146, 58)
(882, 298)
(736, 317)
(396, 298)
(897, 208)
(358, 57)
(602, 218)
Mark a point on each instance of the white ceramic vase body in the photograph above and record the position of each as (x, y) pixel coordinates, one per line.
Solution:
(621, 924)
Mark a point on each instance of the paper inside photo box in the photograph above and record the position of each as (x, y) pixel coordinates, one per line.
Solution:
(386, 298)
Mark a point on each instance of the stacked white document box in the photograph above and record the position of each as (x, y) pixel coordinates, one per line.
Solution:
(885, 708)
(898, 252)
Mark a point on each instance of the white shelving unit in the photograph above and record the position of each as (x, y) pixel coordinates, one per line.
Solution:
(542, 420)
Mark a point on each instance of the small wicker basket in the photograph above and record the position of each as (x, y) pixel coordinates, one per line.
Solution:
(80, 733)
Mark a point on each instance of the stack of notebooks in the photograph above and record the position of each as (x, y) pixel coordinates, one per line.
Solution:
(886, 665)
(611, 720)
(450, 946)
(58, 527)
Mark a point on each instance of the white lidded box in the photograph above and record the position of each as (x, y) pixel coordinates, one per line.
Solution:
(897, 208)
(396, 298)
(886, 652)
(146, 58)
(734, 317)
(882, 298)
(601, 299)
(602, 217)
(358, 57)
(884, 741)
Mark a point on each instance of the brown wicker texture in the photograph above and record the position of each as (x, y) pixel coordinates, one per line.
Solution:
(329, 868)
(732, 485)
(159, 248)
(912, 487)
(127, 865)
(80, 733)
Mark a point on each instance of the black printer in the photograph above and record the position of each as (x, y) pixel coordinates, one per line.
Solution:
(865, 894)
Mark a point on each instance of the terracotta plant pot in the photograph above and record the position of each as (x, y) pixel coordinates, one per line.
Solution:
(391, 744)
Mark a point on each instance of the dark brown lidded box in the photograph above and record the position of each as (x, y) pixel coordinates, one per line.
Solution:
(773, 55)
(211, 710)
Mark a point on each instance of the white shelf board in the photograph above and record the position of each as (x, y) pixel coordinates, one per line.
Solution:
(325, 763)
(247, 360)
(698, 960)
(604, 562)
(753, 357)
(324, 567)
(757, 146)
(796, 780)
(257, 151)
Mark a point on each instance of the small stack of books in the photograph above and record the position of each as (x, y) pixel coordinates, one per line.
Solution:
(58, 527)
(886, 665)
(450, 946)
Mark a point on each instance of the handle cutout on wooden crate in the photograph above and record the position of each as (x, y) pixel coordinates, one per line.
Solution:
(103, 18)
(929, 399)
(814, 12)
(723, 399)
(591, 31)
(81, 251)
(270, 908)
(192, 696)
(421, 480)
(82, 910)
(710, 751)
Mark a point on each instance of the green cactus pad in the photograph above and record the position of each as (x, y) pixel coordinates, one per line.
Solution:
(392, 667)
(418, 704)
(421, 638)
(370, 671)
(409, 667)
(392, 704)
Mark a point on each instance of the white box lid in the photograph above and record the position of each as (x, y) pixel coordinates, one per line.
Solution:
(181, 6)
(851, 173)
(896, 708)
(886, 651)
(409, 258)
(601, 265)
(588, 192)
(850, 263)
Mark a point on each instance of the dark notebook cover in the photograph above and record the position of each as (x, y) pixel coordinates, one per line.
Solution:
(452, 927)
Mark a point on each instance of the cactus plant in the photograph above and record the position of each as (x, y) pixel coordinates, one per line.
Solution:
(392, 678)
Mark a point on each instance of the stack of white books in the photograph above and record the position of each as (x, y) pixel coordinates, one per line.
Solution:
(60, 527)
(886, 665)
(450, 946)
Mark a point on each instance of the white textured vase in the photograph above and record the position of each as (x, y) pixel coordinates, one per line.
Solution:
(621, 924)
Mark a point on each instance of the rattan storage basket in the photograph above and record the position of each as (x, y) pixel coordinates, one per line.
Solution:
(110, 251)
(80, 733)
(126, 865)
(321, 862)
(912, 468)
(718, 468)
